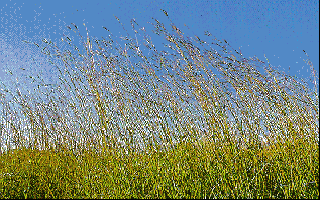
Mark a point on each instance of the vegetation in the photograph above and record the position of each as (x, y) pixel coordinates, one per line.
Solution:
(113, 129)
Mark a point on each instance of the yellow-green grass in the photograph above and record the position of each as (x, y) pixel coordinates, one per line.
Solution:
(177, 139)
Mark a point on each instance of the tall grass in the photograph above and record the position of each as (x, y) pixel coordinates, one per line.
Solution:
(113, 128)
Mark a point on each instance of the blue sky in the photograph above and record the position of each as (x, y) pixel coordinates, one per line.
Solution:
(280, 30)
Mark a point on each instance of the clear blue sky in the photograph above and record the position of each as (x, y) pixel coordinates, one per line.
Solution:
(280, 30)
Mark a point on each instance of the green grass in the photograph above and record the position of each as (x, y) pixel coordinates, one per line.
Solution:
(122, 132)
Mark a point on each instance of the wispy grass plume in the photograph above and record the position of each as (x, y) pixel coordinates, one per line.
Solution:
(121, 124)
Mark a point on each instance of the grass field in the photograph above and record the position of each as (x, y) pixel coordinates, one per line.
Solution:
(121, 132)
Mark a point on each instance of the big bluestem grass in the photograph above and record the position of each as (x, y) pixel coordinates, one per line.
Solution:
(115, 129)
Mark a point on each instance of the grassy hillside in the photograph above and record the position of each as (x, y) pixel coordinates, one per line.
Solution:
(114, 128)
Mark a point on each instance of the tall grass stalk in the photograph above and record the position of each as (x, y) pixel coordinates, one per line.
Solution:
(123, 125)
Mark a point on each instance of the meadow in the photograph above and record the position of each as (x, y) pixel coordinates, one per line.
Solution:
(113, 129)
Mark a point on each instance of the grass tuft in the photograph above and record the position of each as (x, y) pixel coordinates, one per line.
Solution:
(123, 125)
